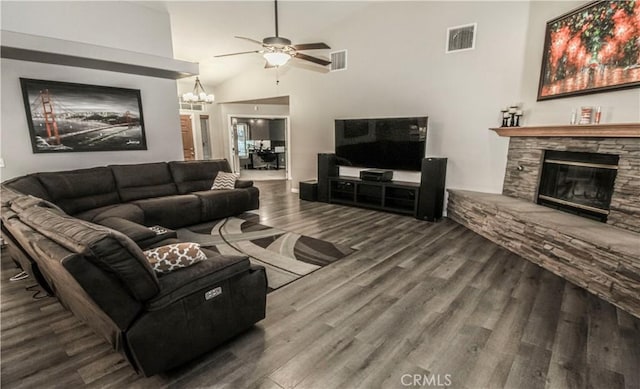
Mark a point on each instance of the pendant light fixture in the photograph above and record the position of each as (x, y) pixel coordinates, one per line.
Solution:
(198, 96)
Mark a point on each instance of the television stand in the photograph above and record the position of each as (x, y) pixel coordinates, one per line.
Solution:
(391, 196)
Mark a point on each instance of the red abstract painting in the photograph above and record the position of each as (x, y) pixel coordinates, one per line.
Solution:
(592, 49)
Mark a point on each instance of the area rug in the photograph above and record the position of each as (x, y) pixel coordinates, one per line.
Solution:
(286, 256)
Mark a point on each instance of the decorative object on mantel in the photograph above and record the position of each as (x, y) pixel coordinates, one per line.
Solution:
(198, 96)
(585, 115)
(66, 117)
(591, 49)
(623, 130)
(511, 116)
(505, 117)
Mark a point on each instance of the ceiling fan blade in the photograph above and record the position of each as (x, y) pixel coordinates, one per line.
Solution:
(309, 58)
(243, 52)
(249, 39)
(311, 46)
(267, 65)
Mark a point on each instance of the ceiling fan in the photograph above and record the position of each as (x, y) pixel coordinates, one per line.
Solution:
(278, 50)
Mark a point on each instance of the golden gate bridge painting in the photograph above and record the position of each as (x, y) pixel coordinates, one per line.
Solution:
(68, 117)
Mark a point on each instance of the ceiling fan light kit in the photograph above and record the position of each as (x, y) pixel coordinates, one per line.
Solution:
(277, 58)
(278, 50)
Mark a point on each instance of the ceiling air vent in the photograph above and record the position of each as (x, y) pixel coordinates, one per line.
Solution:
(338, 60)
(460, 38)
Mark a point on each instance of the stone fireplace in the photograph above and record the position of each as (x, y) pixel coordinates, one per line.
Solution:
(579, 183)
(558, 179)
(524, 173)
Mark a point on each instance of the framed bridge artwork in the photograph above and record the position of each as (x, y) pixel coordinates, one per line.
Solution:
(594, 48)
(68, 117)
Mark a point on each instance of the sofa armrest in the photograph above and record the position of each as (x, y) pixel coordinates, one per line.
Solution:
(240, 184)
(142, 235)
(206, 274)
(133, 230)
(197, 322)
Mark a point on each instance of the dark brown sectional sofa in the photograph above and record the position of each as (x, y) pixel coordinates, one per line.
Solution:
(82, 233)
(173, 194)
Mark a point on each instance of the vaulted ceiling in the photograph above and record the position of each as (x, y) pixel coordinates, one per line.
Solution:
(201, 30)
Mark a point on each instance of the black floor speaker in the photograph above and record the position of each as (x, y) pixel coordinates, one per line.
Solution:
(327, 167)
(432, 181)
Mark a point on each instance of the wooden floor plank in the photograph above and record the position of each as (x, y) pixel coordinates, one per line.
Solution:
(416, 298)
(567, 368)
(529, 368)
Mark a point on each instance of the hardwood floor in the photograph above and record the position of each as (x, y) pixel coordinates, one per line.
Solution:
(434, 300)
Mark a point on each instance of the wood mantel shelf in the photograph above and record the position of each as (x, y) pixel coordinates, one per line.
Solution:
(624, 130)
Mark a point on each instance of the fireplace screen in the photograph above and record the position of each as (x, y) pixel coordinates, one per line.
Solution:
(580, 183)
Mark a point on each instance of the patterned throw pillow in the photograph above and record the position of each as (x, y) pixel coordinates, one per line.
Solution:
(166, 259)
(225, 180)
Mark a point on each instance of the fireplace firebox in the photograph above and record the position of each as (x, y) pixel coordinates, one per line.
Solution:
(577, 182)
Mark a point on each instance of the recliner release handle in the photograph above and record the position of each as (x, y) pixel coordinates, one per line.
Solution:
(215, 292)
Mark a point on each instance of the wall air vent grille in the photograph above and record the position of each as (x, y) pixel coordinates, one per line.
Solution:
(461, 38)
(339, 60)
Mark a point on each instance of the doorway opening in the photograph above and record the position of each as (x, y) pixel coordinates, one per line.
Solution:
(188, 146)
(195, 128)
(206, 138)
(260, 145)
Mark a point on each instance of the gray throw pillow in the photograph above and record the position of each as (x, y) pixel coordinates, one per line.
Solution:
(225, 180)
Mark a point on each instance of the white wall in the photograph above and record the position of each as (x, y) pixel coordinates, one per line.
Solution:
(617, 107)
(116, 24)
(397, 66)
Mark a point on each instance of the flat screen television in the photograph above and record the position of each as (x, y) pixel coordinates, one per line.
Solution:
(384, 143)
